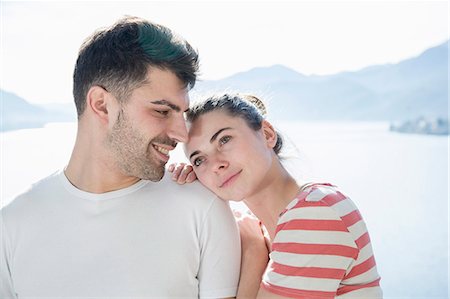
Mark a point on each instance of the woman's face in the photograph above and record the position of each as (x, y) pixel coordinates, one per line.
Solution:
(229, 157)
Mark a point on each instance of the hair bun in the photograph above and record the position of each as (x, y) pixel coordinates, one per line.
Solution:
(257, 103)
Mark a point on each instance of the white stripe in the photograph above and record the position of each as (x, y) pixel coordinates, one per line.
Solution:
(311, 213)
(319, 193)
(302, 283)
(314, 237)
(311, 260)
(365, 253)
(292, 204)
(365, 277)
(366, 293)
(358, 229)
(344, 207)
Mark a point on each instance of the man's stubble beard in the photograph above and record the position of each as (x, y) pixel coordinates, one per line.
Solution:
(132, 152)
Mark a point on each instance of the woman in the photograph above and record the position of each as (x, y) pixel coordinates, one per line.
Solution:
(318, 243)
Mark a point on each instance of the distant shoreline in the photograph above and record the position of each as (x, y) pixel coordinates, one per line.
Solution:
(423, 126)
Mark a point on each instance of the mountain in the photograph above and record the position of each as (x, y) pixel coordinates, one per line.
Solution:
(17, 113)
(412, 89)
(417, 87)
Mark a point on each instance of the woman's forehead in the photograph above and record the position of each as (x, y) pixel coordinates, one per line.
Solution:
(214, 120)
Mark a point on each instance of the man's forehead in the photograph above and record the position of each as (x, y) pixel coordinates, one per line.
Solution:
(184, 102)
(162, 80)
(187, 101)
(169, 96)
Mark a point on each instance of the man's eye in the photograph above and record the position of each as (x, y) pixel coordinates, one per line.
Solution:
(198, 161)
(224, 140)
(163, 112)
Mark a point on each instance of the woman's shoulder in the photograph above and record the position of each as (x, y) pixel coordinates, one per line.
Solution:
(322, 209)
(316, 192)
(319, 198)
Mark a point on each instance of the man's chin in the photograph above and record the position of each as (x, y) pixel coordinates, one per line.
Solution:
(153, 179)
(155, 176)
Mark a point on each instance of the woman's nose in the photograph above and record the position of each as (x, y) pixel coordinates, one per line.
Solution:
(220, 165)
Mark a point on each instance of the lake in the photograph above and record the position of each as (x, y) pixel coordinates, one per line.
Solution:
(398, 181)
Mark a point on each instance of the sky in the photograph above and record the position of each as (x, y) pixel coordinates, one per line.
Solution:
(40, 40)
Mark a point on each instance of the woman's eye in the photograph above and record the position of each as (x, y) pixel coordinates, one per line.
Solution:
(224, 140)
(198, 161)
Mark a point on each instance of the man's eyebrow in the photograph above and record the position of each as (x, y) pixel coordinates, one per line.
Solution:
(167, 103)
(214, 137)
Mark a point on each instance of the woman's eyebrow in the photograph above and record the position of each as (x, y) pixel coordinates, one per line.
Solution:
(217, 133)
(214, 137)
(193, 154)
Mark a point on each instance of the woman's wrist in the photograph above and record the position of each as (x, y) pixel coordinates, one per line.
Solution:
(253, 266)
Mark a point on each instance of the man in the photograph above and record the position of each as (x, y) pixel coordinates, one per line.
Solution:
(105, 227)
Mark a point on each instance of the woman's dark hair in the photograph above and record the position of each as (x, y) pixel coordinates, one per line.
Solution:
(248, 107)
(118, 58)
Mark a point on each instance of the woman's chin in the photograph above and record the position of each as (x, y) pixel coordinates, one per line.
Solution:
(231, 198)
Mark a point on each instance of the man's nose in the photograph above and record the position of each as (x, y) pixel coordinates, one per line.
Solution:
(178, 130)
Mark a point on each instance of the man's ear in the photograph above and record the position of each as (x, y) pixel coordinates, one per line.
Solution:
(269, 134)
(98, 101)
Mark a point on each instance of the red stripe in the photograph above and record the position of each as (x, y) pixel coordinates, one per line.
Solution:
(334, 198)
(347, 289)
(362, 241)
(308, 271)
(322, 249)
(352, 218)
(306, 204)
(297, 293)
(312, 224)
(362, 268)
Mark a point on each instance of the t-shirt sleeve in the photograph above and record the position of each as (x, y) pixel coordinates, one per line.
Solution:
(6, 286)
(311, 253)
(220, 253)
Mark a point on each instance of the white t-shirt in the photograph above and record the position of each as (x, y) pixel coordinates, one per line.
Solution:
(150, 240)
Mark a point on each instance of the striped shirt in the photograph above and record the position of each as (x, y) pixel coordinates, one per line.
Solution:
(322, 249)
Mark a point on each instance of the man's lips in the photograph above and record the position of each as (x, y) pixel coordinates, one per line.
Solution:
(163, 150)
(230, 179)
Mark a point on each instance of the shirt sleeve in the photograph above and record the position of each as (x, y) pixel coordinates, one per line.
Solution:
(220, 253)
(311, 253)
(6, 285)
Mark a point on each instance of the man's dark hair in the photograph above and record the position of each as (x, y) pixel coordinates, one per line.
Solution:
(118, 58)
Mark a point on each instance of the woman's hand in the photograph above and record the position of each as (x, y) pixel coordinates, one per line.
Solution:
(182, 173)
(254, 237)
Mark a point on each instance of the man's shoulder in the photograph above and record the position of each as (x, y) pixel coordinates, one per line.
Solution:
(33, 195)
(194, 189)
(192, 195)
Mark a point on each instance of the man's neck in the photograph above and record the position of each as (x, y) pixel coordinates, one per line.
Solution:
(92, 169)
(96, 181)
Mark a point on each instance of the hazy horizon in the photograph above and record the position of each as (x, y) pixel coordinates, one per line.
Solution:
(318, 38)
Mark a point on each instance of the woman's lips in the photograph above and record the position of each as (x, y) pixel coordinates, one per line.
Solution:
(230, 180)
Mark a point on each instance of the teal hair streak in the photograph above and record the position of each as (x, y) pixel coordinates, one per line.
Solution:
(159, 43)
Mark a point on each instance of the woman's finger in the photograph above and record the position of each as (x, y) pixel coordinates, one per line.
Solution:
(177, 171)
(184, 173)
(191, 177)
